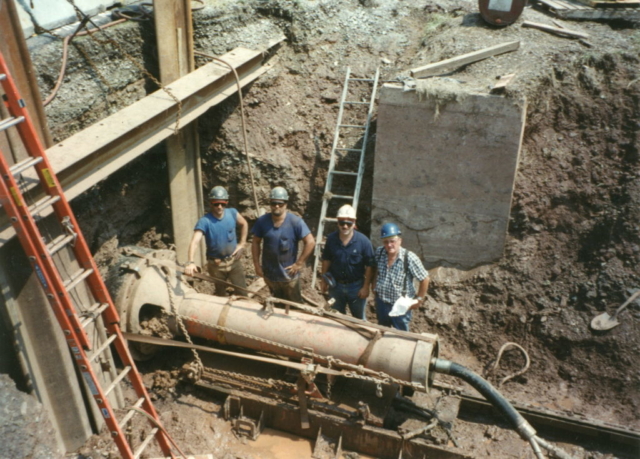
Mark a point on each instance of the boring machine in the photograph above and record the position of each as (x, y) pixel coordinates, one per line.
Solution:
(313, 372)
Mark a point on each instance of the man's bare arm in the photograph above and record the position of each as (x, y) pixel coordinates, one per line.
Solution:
(192, 268)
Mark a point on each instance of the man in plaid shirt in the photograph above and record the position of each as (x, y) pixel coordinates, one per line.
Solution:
(396, 270)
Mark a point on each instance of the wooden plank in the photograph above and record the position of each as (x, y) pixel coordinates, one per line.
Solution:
(555, 30)
(459, 61)
(502, 82)
(256, 286)
(93, 154)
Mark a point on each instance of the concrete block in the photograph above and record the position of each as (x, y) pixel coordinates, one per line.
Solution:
(447, 180)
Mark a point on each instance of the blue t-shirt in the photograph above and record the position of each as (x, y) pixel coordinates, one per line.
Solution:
(348, 262)
(220, 234)
(279, 245)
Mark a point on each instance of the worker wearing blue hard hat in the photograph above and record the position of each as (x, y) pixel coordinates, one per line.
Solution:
(397, 268)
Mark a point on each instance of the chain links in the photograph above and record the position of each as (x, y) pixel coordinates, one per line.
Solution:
(255, 380)
(197, 367)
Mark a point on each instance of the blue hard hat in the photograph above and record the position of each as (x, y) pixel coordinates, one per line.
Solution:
(389, 230)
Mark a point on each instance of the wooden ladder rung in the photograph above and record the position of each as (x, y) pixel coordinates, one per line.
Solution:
(77, 277)
(43, 203)
(25, 164)
(145, 442)
(93, 313)
(102, 348)
(131, 413)
(9, 122)
(59, 242)
(116, 381)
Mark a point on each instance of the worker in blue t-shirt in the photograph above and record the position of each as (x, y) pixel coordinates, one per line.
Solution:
(348, 257)
(223, 250)
(281, 231)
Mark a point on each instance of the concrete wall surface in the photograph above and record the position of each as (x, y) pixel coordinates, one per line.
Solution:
(51, 14)
(447, 180)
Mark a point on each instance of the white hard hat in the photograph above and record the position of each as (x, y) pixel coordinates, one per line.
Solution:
(347, 211)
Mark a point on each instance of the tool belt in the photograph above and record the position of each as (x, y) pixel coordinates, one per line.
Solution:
(222, 264)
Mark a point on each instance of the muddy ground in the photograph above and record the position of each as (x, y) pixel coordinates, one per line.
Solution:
(573, 246)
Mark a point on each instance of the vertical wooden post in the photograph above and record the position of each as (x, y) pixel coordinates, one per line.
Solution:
(14, 49)
(174, 35)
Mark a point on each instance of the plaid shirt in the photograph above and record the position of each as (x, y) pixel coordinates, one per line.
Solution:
(389, 284)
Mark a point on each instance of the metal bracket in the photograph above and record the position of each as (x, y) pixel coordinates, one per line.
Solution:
(242, 425)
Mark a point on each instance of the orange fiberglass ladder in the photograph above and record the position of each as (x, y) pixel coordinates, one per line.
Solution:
(57, 289)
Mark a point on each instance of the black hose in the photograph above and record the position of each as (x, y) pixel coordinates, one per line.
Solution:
(489, 392)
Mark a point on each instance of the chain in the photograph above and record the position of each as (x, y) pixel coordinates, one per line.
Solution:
(197, 369)
(256, 380)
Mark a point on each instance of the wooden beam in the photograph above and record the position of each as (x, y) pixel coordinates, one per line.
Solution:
(91, 155)
(175, 52)
(459, 61)
(556, 30)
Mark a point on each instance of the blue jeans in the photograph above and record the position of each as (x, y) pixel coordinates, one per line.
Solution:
(347, 294)
(383, 309)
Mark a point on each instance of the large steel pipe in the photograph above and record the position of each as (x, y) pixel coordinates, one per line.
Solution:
(144, 284)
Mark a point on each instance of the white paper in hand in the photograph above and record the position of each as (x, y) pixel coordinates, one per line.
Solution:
(401, 306)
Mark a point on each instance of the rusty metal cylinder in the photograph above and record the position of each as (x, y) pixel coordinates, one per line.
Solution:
(402, 357)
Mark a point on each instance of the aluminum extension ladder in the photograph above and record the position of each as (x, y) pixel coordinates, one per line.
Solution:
(337, 153)
(73, 317)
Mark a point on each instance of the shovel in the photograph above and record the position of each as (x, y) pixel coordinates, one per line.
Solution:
(605, 322)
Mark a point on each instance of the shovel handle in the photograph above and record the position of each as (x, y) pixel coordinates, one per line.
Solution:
(631, 299)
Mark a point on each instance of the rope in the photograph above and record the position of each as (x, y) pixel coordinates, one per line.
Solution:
(497, 362)
(244, 127)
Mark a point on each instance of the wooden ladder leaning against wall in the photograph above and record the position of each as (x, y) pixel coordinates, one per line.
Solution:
(73, 315)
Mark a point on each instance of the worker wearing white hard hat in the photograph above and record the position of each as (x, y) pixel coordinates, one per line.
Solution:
(347, 265)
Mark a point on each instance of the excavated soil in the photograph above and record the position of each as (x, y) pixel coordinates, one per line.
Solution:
(573, 245)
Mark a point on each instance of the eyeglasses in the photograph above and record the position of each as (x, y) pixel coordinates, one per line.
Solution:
(219, 204)
(278, 204)
(345, 223)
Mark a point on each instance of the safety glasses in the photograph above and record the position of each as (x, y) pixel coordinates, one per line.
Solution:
(345, 223)
(278, 204)
(219, 204)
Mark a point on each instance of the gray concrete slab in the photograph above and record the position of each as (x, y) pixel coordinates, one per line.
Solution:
(447, 180)
(51, 14)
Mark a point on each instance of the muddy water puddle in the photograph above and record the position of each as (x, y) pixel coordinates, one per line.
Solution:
(274, 444)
